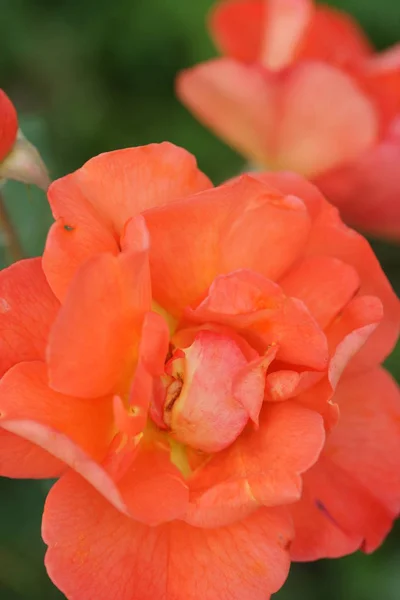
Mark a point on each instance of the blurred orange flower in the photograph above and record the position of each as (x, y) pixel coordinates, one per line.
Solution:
(19, 159)
(300, 88)
(180, 357)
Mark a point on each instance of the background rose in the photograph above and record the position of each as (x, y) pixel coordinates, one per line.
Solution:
(301, 89)
(210, 262)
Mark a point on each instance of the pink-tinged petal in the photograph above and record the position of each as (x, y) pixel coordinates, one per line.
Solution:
(324, 284)
(283, 384)
(350, 331)
(243, 224)
(212, 407)
(262, 467)
(26, 396)
(314, 136)
(27, 311)
(352, 495)
(335, 38)
(286, 24)
(259, 311)
(97, 330)
(330, 237)
(135, 179)
(8, 125)
(237, 101)
(22, 459)
(367, 190)
(237, 28)
(95, 552)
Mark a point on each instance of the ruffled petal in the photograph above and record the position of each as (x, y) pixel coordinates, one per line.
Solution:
(243, 224)
(257, 308)
(262, 467)
(93, 204)
(330, 237)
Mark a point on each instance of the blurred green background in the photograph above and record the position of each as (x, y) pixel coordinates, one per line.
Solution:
(88, 77)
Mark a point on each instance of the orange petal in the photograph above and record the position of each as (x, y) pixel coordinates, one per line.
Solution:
(352, 495)
(135, 179)
(324, 284)
(22, 459)
(27, 311)
(246, 560)
(262, 467)
(97, 330)
(69, 244)
(330, 237)
(26, 396)
(243, 224)
(153, 489)
(237, 28)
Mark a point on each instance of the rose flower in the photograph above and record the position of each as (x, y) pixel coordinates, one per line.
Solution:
(300, 88)
(200, 367)
(19, 159)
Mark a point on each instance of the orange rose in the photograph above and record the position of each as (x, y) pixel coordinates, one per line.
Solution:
(180, 357)
(300, 88)
(19, 160)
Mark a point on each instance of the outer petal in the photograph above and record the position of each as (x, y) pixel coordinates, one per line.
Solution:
(8, 125)
(352, 495)
(324, 284)
(262, 467)
(97, 330)
(25, 396)
(330, 237)
(243, 224)
(27, 311)
(97, 200)
(22, 459)
(95, 552)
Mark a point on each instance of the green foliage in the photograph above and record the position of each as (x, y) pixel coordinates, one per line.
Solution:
(93, 76)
